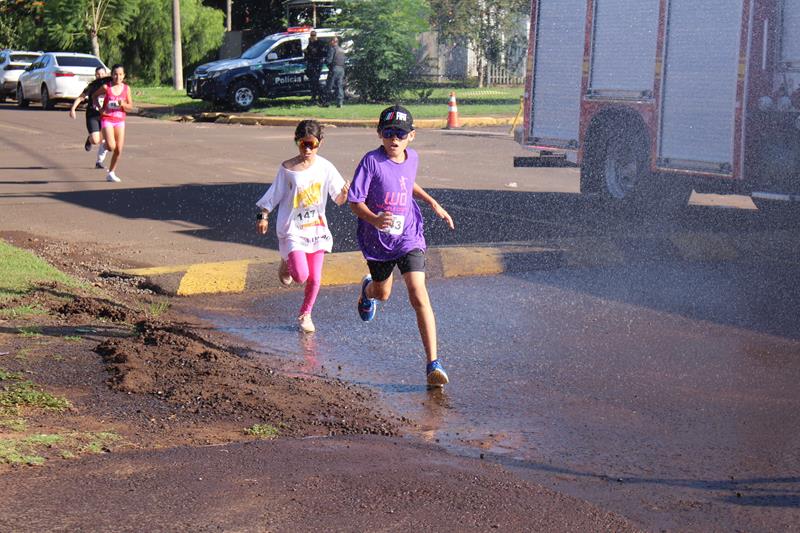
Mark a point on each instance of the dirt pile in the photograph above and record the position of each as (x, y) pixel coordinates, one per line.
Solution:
(200, 376)
(128, 358)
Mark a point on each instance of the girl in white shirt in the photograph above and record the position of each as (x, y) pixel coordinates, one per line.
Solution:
(299, 192)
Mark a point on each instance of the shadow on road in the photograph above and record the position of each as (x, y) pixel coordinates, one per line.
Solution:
(226, 213)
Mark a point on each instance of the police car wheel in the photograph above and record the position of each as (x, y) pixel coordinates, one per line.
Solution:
(242, 95)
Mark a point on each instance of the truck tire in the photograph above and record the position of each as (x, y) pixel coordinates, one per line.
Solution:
(616, 164)
(242, 95)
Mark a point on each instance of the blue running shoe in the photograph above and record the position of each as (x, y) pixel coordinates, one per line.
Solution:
(366, 306)
(436, 374)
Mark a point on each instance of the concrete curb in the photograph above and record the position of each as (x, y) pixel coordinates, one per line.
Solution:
(259, 120)
(253, 119)
(347, 268)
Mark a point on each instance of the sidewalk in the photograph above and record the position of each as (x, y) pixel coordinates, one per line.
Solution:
(254, 119)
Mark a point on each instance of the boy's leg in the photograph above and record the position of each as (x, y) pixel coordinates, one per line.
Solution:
(426, 322)
(313, 281)
(380, 290)
(376, 286)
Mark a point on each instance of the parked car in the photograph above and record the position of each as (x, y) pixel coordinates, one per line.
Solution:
(56, 77)
(272, 67)
(12, 63)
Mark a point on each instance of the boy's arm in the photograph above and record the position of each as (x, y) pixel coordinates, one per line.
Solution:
(420, 194)
(75, 104)
(381, 220)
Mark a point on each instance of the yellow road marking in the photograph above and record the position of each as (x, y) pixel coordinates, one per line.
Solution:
(343, 268)
(471, 261)
(156, 271)
(229, 276)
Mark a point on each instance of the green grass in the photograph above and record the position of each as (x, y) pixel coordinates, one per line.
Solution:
(24, 450)
(72, 338)
(22, 311)
(29, 450)
(14, 424)
(8, 376)
(423, 103)
(21, 270)
(262, 431)
(30, 331)
(156, 309)
(27, 394)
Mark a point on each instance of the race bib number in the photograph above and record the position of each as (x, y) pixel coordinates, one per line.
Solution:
(307, 218)
(398, 223)
(113, 104)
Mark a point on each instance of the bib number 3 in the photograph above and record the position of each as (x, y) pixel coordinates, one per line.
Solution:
(398, 223)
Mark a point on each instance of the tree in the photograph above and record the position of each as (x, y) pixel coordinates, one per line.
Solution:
(384, 36)
(21, 24)
(482, 24)
(72, 23)
(146, 46)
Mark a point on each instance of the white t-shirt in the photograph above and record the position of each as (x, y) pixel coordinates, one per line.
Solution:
(300, 198)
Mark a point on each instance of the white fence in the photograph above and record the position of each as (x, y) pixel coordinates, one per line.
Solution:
(500, 75)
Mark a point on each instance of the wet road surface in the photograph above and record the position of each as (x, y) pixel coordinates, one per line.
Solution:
(666, 391)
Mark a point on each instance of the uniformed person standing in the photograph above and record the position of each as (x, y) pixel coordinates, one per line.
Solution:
(335, 61)
(314, 55)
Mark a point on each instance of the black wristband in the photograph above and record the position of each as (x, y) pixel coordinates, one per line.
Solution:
(261, 216)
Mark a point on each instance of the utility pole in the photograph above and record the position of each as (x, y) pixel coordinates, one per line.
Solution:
(228, 17)
(177, 53)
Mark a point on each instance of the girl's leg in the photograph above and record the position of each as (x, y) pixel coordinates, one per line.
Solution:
(108, 134)
(314, 280)
(426, 322)
(118, 134)
(298, 266)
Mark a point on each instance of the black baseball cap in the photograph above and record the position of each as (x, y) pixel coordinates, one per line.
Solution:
(396, 116)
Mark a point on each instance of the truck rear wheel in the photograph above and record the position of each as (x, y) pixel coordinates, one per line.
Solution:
(242, 95)
(616, 161)
(616, 165)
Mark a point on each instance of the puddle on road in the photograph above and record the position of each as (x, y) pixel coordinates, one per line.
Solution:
(643, 390)
(385, 356)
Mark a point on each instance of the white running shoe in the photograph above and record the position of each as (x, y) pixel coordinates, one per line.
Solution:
(112, 177)
(306, 325)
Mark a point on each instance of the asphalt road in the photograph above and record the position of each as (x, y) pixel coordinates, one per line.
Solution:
(663, 389)
(654, 373)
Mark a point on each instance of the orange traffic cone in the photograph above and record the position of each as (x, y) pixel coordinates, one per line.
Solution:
(452, 113)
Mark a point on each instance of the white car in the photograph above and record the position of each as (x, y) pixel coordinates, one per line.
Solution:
(12, 63)
(56, 77)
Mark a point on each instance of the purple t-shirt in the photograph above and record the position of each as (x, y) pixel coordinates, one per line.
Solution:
(385, 185)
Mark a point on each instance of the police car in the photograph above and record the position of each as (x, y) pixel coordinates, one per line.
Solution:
(272, 67)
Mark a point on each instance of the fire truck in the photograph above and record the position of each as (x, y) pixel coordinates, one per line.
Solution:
(654, 98)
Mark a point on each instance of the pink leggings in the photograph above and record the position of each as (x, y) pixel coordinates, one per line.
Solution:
(307, 268)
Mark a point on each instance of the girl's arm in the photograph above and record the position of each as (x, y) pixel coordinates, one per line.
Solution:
(342, 197)
(127, 105)
(420, 193)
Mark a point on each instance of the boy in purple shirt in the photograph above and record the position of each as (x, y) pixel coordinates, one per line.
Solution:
(390, 227)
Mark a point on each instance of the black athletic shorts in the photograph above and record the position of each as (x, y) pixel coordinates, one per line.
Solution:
(93, 123)
(413, 261)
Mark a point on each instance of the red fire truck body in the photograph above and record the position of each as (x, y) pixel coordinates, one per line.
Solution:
(668, 95)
